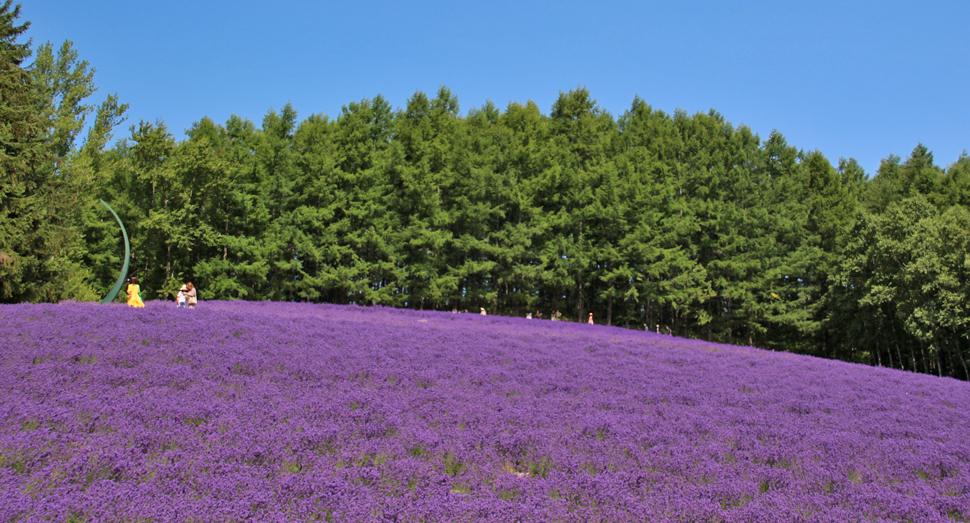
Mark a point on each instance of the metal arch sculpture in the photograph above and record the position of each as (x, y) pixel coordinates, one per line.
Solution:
(124, 270)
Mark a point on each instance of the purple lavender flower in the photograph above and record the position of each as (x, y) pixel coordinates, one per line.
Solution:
(294, 412)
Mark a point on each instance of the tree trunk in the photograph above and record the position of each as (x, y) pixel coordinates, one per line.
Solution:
(912, 351)
(899, 355)
(710, 324)
(939, 362)
(626, 307)
(579, 306)
(506, 301)
(966, 374)
(609, 310)
(225, 249)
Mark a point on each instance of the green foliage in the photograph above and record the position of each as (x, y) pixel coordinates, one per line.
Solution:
(906, 274)
(675, 222)
(64, 84)
(40, 204)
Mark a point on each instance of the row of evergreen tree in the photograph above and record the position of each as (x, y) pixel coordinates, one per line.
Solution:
(647, 220)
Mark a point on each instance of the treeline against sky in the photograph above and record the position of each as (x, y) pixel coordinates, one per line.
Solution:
(645, 219)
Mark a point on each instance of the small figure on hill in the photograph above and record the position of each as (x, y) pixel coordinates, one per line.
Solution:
(483, 313)
(554, 316)
(180, 297)
(538, 315)
(658, 328)
(669, 332)
(190, 296)
(558, 316)
(454, 311)
(134, 293)
(528, 315)
(590, 320)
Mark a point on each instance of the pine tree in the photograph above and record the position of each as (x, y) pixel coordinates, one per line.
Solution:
(364, 132)
(583, 135)
(39, 244)
(421, 175)
(239, 268)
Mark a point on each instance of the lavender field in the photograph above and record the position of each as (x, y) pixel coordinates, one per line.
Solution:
(293, 412)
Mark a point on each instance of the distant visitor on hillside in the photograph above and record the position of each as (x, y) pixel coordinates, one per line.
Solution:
(190, 296)
(590, 320)
(134, 293)
(180, 297)
(483, 313)
(528, 315)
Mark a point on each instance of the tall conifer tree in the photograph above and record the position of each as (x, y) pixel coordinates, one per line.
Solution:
(37, 241)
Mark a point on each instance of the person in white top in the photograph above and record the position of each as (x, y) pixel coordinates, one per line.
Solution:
(483, 313)
(180, 297)
(191, 296)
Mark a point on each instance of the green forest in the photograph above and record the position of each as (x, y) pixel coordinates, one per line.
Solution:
(647, 219)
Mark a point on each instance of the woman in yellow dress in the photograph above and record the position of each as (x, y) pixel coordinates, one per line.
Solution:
(134, 293)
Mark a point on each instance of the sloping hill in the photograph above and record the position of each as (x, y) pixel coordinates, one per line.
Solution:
(294, 412)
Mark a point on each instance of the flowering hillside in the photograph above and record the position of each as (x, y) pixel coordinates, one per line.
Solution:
(293, 412)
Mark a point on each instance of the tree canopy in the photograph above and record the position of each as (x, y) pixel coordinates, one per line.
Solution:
(646, 219)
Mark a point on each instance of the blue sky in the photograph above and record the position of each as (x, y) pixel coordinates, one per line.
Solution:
(851, 79)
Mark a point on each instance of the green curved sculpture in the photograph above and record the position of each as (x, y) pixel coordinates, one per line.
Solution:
(124, 270)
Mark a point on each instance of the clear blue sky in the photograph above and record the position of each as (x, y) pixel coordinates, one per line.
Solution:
(851, 79)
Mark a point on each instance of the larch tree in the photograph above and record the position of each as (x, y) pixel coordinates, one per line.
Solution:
(40, 248)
